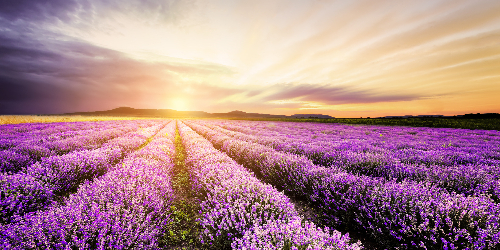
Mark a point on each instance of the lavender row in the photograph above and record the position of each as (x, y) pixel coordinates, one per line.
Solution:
(407, 214)
(42, 183)
(46, 130)
(93, 137)
(28, 152)
(21, 156)
(410, 145)
(466, 179)
(51, 132)
(237, 204)
(126, 208)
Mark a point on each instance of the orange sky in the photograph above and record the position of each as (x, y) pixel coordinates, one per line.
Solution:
(342, 58)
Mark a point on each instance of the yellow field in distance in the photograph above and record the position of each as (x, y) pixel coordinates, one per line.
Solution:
(15, 119)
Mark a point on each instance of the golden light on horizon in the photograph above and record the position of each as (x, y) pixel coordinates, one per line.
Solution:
(179, 104)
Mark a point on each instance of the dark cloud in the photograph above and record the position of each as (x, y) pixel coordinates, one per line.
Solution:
(11, 50)
(263, 98)
(331, 95)
(89, 12)
(68, 75)
(38, 10)
(20, 90)
(25, 96)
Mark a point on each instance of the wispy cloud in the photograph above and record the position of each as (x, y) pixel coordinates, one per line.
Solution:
(331, 95)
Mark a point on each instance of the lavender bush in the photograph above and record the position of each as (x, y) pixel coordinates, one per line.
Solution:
(39, 185)
(468, 167)
(21, 193)
(404, 214)
(235, 201)
(123, 209)
(293, 234)
(23, 149)
(12, 162)
(106, 185)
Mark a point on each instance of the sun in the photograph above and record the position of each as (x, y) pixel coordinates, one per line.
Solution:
(179, 104)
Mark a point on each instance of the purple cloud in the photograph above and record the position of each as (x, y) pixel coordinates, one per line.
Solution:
(37, 10)
(331, 95)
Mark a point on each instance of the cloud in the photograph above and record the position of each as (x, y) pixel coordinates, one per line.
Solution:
(279, 98)
(24, 96)
(331, 95)
(37, 10)
(89, 13)
(70, 75)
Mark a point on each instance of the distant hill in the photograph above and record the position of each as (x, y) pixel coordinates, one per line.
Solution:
(170, 113)
(127, 111)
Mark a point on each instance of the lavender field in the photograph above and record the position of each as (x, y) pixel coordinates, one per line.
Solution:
(221, 184)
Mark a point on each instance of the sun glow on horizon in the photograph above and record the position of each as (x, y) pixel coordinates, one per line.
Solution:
(179, 104)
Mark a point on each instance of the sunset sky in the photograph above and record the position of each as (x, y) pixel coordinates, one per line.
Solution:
(342, 58)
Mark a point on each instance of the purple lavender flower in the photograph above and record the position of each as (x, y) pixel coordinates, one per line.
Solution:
(21, 193)
(123, 209)
(12, 162)
(292, 235)
(234, 200)
(393, 213)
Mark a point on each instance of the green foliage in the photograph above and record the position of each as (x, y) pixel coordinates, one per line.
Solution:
(183, 230)
(288, 245)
